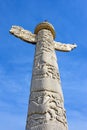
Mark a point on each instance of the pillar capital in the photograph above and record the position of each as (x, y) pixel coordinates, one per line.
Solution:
(45, 25)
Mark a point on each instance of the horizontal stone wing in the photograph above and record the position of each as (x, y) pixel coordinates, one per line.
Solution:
(64, 47)
(23, 34)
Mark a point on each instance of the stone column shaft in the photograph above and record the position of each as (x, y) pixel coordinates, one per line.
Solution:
(46, 109)
(46, 104)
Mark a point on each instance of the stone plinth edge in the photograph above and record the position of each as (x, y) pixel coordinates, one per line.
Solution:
(45, 25)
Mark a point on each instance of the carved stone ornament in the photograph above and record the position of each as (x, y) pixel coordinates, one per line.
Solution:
(46, 104)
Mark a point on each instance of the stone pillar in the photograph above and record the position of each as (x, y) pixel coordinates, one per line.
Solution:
(46, 104)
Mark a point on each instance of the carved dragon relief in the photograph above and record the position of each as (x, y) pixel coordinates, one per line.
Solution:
(45, 107)
(44, 47)
(45, 70)
(43, 65)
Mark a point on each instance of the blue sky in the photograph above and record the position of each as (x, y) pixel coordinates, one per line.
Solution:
(69, 18)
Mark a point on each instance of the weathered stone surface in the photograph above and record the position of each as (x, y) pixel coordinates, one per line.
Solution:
(46, 99)
(46, 104)
(23, 34)
(64, 47)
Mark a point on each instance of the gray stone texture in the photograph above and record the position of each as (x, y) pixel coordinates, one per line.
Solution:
(46, 109)
(46, 104)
